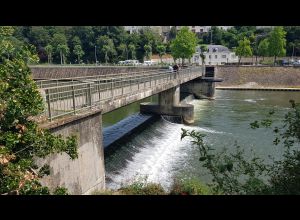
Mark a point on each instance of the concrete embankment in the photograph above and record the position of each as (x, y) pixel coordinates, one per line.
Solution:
(57, 72)
(259, 77)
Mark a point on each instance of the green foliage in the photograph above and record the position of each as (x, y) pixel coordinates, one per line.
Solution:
(277, 42)
(184, 44)
(142, 188)
(49, 51)
(148, 51)
(241, 173)
(21, 140)
(78, 52)
(189, 187)
(161, 49)
(107, 47)
(132, 48)
(244, 48)
(263, 48)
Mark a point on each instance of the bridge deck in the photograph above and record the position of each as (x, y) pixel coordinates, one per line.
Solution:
(71, 95)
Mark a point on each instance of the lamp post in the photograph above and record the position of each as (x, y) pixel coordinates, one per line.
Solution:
(96, 55)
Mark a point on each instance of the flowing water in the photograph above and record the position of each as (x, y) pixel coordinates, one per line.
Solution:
(157, 154)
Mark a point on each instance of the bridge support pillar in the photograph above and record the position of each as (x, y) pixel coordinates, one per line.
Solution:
(200, 88)
(86, 173)
(169, 104)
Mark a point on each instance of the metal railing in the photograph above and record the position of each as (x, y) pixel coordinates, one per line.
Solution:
(71, 95)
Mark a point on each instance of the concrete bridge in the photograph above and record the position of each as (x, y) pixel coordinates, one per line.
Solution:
(75, 104)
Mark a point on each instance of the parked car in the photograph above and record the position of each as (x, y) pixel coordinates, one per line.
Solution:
(149, 63)
(132, 62)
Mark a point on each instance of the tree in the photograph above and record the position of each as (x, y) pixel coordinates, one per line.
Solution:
(263, 48)
(124, 51)
(49, 50)
(161, 49)
(277, 42)
(131, 48)
(63, 50)
(184, 44)
(203, 49)
(78, 52)
(107, 47)
(21, 140)
(148, 51)
(243, 49)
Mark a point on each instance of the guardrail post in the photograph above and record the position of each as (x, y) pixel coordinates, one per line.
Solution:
(48, 103)
(89, 95)
(111, 88)
(74, 103)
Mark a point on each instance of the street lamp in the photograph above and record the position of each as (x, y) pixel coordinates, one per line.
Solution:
(96, 55)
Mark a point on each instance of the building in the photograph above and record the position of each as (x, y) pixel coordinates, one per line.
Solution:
(215, 55)
(158, 29)
(196, 29)
(203, 29)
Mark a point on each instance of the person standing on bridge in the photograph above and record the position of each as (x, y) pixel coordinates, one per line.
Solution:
(175, 68)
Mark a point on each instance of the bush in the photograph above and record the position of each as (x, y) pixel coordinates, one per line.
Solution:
(139, 188)
(189, 187)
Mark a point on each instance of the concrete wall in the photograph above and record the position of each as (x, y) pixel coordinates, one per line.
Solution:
(199, 88)
(258, 76)
(56, 72)
(170, 97)
(169, 104)
(86, 173)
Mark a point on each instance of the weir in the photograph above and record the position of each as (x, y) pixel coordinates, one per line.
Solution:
(75, 106)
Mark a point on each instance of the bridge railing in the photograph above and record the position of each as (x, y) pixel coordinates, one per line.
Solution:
(65, 99)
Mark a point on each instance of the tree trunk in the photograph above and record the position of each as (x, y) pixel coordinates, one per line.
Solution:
(240, 60)
(78, 59)
(256, 60)
(160, 58)
(274, 60)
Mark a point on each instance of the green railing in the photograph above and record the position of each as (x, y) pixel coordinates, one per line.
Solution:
(70, 95)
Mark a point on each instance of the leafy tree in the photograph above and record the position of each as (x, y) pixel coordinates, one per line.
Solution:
(277, 42)
(49, 50)
(124, 51)
(107, 47)
(21, 140)
(131, 48)
(184, 44)
(148, 51)
(79, 52)
(243, 49)
(161, 49)
(263, 48)
(63, 50)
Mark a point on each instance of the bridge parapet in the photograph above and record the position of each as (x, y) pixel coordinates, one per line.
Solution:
(71, 95)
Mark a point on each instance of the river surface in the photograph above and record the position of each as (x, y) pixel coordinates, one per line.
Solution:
(157, 154)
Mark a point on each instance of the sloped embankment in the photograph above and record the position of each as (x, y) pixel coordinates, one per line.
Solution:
(258, 76)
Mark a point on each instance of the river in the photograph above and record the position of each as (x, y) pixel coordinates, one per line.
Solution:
(157, 154)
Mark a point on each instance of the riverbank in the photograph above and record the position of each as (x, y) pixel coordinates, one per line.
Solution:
(258, 77)
(258, 88)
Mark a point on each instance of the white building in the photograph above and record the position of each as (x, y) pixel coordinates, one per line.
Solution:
(215, 55)
(203, 29)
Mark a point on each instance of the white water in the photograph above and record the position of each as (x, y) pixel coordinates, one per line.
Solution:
(156, 158)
